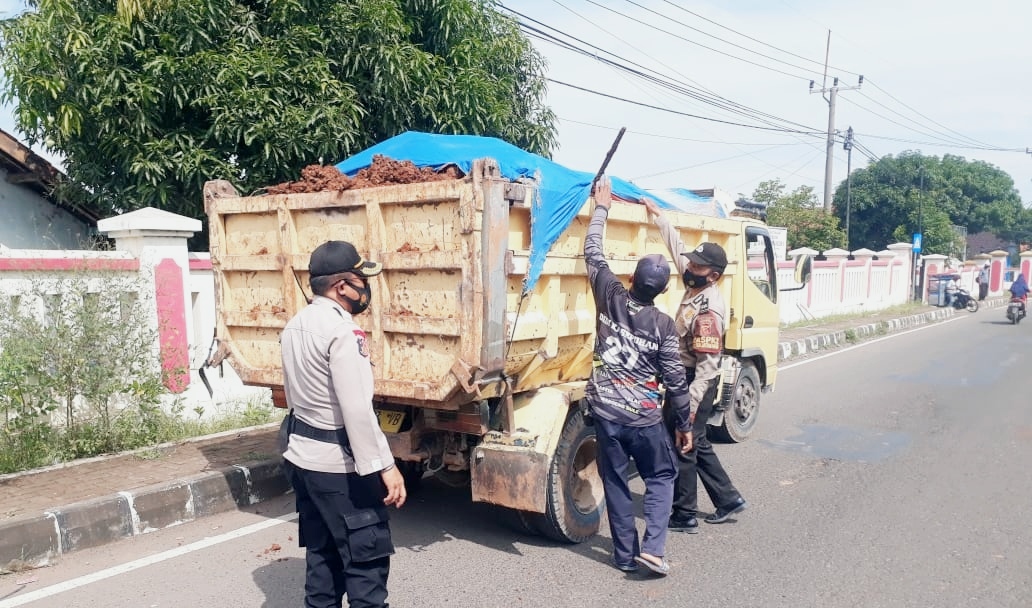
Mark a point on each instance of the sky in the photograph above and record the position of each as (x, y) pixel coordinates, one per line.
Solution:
(948, 78)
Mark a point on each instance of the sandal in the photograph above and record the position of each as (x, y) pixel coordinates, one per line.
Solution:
(661, 568)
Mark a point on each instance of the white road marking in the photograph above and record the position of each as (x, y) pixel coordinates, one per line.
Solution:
(863, 344)
(145, 561)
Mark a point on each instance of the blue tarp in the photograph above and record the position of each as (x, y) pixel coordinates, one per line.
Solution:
(561, 191)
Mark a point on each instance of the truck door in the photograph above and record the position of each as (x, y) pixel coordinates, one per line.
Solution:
(761, 316)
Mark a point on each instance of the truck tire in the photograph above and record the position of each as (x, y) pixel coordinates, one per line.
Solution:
(575, 495)
(743, 408)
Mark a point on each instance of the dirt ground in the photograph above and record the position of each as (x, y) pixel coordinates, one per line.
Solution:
(382, 172)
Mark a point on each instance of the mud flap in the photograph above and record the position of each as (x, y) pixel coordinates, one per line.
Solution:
(512, 478)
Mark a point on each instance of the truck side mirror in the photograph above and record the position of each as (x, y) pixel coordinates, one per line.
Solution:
(803, 269)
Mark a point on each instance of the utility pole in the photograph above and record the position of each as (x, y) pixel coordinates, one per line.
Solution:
(847, 145)
(829, 94)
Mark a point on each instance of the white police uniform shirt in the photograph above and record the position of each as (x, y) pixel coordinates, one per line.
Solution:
(328, 381)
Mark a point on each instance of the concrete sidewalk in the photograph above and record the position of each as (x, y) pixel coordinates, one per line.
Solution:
(48, 512)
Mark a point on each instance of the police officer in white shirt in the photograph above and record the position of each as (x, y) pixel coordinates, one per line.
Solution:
(337, 458)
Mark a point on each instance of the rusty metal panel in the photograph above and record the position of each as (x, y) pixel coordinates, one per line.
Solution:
(513, 478)
(494, 257)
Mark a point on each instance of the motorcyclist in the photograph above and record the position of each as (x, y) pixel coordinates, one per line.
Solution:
(1019, 290)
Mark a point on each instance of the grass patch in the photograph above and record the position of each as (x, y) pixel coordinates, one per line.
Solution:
(901, 310)
(48, 445)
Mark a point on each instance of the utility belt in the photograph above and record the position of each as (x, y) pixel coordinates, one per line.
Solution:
(296, 426)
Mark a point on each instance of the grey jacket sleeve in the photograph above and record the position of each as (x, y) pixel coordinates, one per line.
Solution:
(673, 375)
(594, 258)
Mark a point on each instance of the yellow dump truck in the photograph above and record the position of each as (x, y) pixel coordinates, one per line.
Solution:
(476, 381)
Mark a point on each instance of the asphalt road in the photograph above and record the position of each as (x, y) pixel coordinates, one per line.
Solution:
(891, 474)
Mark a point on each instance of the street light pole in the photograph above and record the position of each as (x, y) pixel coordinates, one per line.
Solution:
(847, 145)
(920, 231)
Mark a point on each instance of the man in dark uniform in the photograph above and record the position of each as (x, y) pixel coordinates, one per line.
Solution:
(635, 344)
(700, 324)
(337, 458)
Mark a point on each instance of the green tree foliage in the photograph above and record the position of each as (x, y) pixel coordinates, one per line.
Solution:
(148, 99)
(798, 211)
(893, 195)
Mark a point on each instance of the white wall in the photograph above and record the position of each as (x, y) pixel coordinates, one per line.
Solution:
(32, 222)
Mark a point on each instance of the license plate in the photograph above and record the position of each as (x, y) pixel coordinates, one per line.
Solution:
(390, 421)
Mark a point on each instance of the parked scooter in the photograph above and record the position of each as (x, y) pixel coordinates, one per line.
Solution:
(1016, 310)
(962, 299)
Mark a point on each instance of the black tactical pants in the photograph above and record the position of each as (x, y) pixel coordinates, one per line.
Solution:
(700, 464)
(343, 527)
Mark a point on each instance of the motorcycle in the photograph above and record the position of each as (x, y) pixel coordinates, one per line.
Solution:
(1016, 310)
(962, 299)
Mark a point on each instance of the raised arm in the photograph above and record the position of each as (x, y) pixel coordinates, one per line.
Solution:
(670, 235)
(594, 257)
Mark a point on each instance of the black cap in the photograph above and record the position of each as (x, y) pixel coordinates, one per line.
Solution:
(651, 276)
(710, 255)
(333, 257)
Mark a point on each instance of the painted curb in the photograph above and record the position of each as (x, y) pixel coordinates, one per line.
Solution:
(35, 541)
(792, 349)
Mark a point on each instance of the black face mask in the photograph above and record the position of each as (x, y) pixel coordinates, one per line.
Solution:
(695, 280)
(365, 294)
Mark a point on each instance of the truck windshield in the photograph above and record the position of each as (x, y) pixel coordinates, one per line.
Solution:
(763, 271)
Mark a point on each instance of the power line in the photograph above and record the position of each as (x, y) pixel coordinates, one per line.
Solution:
(932, 143)
(702, 164)
(875, 85)
(734, 104)
(704, 33)
(939, 135)
(672, 111)
(782, 167)
(659, 29)
(705, 96)
(945, 141)
(617, 37)
(665, 81)
(674, 137)
(756, 40)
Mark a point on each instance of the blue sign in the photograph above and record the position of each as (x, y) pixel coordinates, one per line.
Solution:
(917, 242)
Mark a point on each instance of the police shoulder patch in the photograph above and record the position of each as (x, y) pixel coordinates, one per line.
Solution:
(362, 341)
(706, 337)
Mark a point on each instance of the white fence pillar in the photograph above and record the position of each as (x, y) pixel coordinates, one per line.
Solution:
(902, 272)
(997, 268)
(1025, 267)
(158, 240)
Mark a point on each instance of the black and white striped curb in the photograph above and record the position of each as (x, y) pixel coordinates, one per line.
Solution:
(34, 542)
(791, 349)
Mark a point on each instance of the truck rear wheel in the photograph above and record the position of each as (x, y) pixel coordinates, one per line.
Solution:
(743, 408)
(575, 495)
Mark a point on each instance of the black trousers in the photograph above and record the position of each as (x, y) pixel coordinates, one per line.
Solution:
(342, 524)
(700, 464)
(983, 290)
